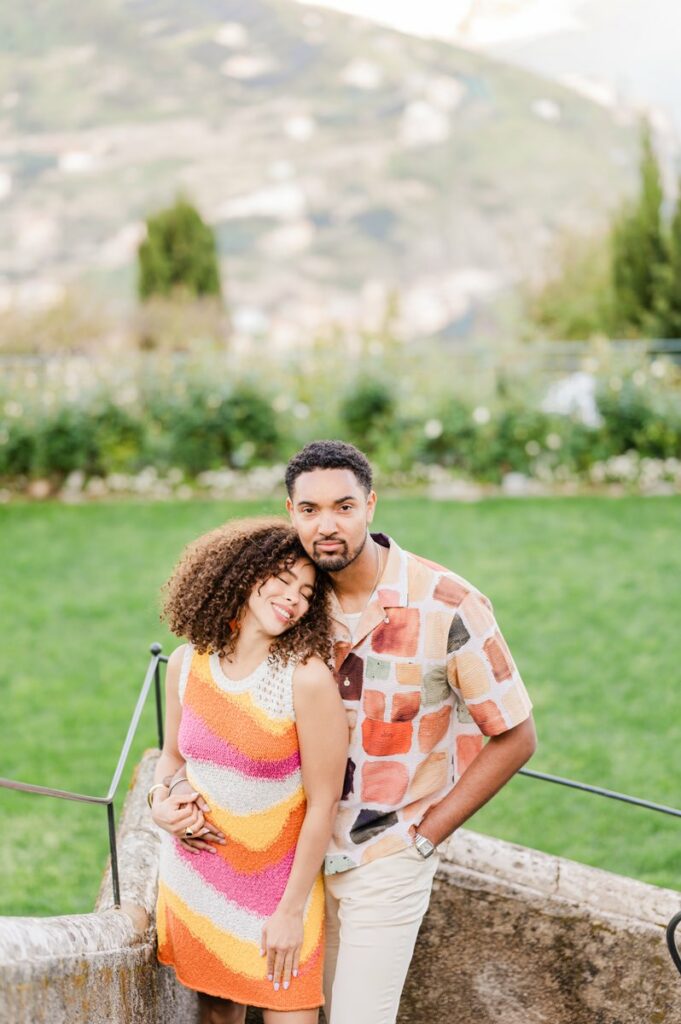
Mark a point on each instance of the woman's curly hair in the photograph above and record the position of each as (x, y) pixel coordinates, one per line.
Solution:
(214, 579)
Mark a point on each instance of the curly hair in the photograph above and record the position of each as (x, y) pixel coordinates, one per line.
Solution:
(216, 575)
(329, 455)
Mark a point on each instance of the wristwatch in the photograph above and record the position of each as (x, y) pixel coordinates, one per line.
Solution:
(423, 845)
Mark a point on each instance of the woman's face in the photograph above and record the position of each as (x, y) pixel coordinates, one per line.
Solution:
(282, 600)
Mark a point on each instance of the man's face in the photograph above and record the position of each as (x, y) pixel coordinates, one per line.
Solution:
(331, 512)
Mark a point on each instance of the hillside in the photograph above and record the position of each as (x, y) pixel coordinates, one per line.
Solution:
(338, 161)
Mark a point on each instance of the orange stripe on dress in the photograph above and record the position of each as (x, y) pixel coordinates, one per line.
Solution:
(231, 722)
(242, 857)
(204, 972)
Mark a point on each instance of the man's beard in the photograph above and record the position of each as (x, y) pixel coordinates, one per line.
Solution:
(334, 563)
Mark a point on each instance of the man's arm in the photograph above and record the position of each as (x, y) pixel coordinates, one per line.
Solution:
(497, 762)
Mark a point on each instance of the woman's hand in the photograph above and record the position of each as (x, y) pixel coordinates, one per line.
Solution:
(282, 939)
(185, 809)
(177, 813)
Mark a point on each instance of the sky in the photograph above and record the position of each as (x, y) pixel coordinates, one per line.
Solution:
(630, 46)
(482, 22)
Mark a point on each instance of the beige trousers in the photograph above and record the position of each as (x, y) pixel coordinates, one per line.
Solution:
(373, 914)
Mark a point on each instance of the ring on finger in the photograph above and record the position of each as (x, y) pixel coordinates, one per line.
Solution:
(189, 832)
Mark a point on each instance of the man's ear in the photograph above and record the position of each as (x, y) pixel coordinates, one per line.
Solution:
(289, 507)
(371, 505)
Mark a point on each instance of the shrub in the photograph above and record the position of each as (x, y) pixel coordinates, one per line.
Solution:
(64, 442)
(367, 412)
(17, 447)
(638, 419)
(206, 428)
(450, 436)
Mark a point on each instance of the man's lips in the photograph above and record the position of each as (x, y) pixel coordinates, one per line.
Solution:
(328, 545)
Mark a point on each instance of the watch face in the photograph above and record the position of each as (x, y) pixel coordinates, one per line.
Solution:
(424, 846)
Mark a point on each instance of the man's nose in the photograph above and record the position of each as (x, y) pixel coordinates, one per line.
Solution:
(327, 523)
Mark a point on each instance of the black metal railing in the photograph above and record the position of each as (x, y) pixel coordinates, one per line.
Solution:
(153, 676)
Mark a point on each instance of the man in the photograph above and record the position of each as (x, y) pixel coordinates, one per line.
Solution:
(425, 675)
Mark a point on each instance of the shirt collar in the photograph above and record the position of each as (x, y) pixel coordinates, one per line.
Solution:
(391, 591)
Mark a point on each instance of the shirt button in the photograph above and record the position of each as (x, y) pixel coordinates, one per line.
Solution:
(346, 682)
(387, 619)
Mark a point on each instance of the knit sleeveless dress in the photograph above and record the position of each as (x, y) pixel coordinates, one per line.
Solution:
(240, 743)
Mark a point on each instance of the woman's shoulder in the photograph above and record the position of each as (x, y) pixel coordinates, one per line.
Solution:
(311, 673)
(178, 656)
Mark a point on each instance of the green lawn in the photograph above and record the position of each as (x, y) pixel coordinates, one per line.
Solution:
(587, 592)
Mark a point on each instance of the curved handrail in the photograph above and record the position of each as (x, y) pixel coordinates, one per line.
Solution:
(671, 940)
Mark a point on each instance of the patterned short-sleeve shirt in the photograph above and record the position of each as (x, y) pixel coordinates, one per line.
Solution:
(426, 678)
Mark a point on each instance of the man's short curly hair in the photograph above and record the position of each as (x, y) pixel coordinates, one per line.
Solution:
(329, 455)
(216, 575)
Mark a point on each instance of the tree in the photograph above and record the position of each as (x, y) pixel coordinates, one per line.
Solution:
(179, 255)
(639, 250)
(668, 304)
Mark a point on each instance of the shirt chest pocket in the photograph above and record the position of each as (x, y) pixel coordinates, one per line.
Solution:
(387, 727)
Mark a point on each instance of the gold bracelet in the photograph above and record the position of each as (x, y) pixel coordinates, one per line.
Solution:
(157, 785)
(183, 778)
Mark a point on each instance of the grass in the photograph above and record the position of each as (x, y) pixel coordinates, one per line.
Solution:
(585, 590)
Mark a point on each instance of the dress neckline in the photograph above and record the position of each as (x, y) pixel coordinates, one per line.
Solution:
(226, 682)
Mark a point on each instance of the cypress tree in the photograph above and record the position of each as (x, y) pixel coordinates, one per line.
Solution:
(669, 286)
(178, 255)
(639, 250)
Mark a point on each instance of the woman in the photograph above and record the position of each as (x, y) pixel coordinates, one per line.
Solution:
(256, 726)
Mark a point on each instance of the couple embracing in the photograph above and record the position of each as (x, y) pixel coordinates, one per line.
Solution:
(274, 766)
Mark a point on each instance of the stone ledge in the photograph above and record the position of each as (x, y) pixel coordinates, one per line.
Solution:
(97, 968)
(472, 859)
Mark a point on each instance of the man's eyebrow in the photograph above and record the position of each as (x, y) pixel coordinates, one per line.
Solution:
(338, 501)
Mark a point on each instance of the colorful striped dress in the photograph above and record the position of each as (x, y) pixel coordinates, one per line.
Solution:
(240, 743)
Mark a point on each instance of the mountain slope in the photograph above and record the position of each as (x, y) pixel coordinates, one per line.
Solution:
(337, 160)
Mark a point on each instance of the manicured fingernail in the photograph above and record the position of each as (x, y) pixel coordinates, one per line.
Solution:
(286, 984)
(295, 974)
(276, 986)
(269, 977)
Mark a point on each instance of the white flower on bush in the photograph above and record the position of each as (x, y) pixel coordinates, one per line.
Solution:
(533, 448)
(598, 472)
(301, 411)
(554, 442)
(432, 429)
(639, 378)
(13, 409)
(481, 415)
(658, 368)
(244, 453)
(615, 383)
(281, 403)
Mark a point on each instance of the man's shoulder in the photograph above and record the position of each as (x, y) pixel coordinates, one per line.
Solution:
(440, 585)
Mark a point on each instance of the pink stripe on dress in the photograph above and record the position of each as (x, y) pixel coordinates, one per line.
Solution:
(197, 740)
(260, 893)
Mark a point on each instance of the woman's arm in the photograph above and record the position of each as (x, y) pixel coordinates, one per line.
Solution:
(323, 738)
(179, 810)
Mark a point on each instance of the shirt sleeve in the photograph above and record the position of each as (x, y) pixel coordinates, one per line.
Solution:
(481, 670)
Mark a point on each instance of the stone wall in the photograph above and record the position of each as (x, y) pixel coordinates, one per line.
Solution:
(512, 936)
(520, 937)
(97, 968)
